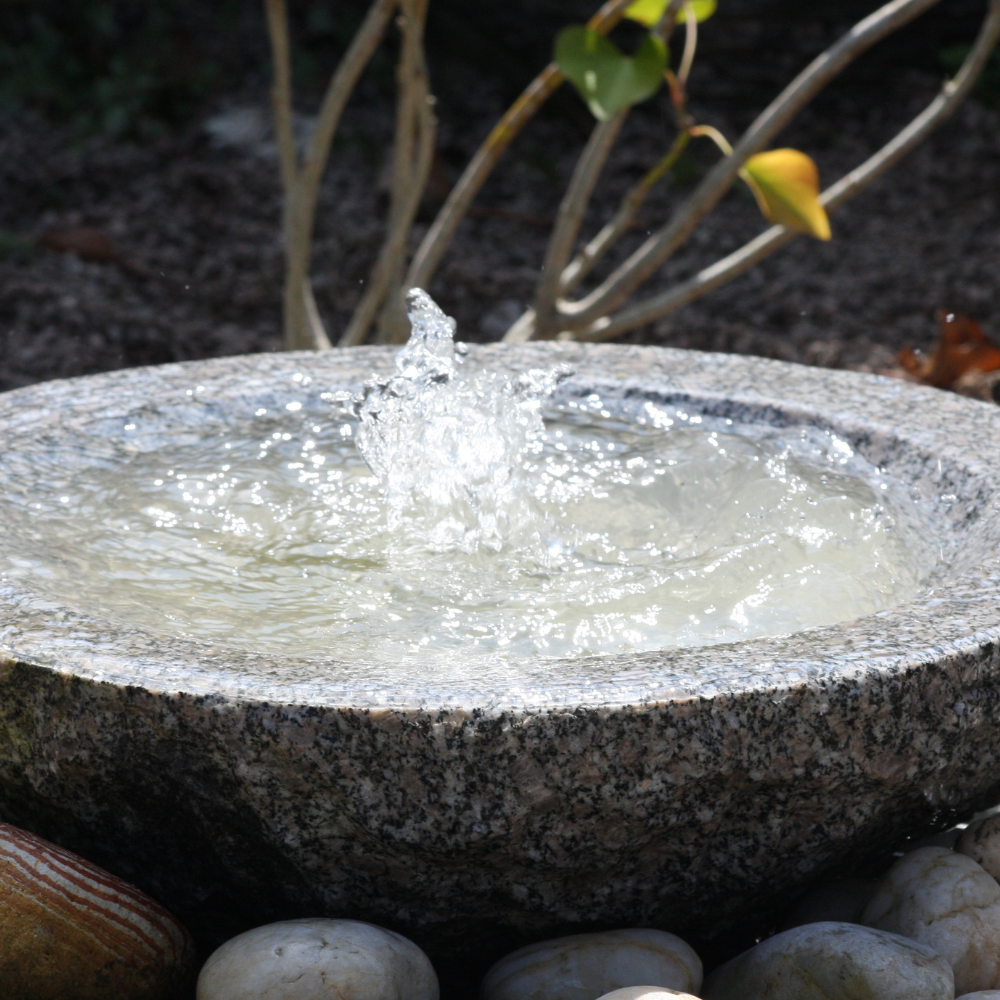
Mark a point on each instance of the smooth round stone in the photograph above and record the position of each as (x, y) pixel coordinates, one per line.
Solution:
(587, 966)
(949, 903)
(833, 961)
(841, 901)
(981, 995)
(317, 958)
(646, 993)
(981, 842)
(69, 929)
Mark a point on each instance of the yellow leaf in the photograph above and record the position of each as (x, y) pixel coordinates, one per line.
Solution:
(785, 183)
(649, 12)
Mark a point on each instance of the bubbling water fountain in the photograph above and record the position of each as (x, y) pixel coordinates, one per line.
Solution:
(483, 655)
(454, 445)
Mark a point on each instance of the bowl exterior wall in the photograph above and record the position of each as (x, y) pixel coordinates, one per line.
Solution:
(475, 833)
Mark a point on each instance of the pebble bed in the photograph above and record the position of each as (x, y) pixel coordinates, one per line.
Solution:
(928, 929)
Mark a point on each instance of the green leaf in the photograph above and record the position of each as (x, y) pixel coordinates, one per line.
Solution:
(649, 12)
(607, 79)
(785, 183)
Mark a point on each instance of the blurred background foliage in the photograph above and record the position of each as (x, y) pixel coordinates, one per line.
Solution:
(110, 65)
(130, 67)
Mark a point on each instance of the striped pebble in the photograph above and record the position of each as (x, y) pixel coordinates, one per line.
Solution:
(71, 929)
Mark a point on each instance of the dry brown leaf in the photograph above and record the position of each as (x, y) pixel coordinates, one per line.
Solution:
(87, 242)
(963, 348)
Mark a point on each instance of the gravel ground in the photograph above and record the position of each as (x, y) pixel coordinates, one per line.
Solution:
(196, 223)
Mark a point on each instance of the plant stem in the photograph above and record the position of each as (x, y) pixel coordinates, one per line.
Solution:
(442, 230)
(303, 327)
(664, 28)
(539, 321)
(281, 93)
(526, 326)
(318, 340)
(395, 327)
(413, 90)
(690, 45)
(650, 256)
(367, 39)
(412, 154)
(570, 216)
(943, 106)
(709, 132)
(619, 225)
(585, 261)
(294, 319)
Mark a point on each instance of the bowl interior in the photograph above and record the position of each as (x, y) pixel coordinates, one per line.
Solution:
(928, 447)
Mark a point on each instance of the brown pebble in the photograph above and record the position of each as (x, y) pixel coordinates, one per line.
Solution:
(69, 929)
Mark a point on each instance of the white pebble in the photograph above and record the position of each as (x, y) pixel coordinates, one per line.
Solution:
(587, 966)
(646, 993)
(833, 961)
(981, 995)
(314, 958)
(947, 902)
(981, 842)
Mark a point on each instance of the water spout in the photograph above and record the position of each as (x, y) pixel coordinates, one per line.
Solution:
(448, 449)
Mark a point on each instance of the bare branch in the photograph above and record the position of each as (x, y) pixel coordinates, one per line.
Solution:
(302, 324)
(522, 330)
(440, 234)
(570, 216)
(624, 280)
(411, 91)
(625, 216)
(952, 94)
(412, 154)
(281, 97)
(318, 340)
(539, 321)
(586, 260)
(293, 309)
(342, 84)
(396, 328)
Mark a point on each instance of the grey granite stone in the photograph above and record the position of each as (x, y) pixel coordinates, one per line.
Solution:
(684, 789)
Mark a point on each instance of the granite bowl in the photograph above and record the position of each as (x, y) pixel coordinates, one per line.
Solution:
(688, 789)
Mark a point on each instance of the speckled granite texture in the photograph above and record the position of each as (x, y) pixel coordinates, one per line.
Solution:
(679, 789)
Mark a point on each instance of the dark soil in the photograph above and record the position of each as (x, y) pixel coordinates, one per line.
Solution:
(196, 226)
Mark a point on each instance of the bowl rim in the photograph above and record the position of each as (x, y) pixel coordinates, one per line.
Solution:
(898, 424)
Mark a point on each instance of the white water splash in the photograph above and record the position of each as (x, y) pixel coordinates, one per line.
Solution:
(449, 450)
